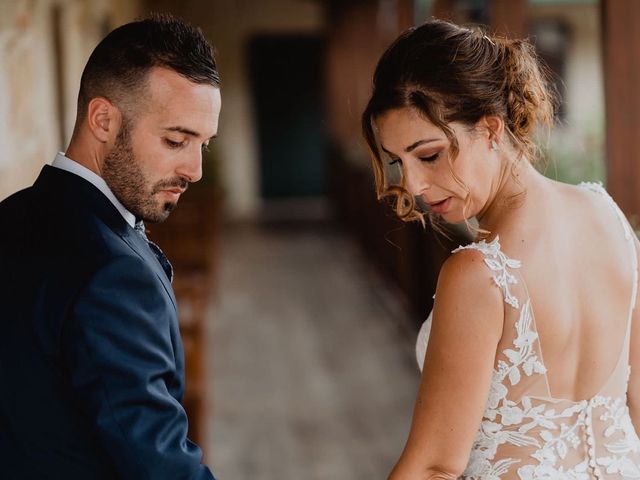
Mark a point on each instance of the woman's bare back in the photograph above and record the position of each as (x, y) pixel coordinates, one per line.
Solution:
(578, 267)
(557, 405)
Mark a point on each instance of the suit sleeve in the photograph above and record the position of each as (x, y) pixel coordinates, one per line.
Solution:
(121, 360)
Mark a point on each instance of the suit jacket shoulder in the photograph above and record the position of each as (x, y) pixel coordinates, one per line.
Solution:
(90, 347)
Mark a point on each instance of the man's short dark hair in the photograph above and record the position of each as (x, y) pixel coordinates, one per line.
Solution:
(118, 66)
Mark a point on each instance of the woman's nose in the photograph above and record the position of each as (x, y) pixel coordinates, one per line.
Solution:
(415, 181)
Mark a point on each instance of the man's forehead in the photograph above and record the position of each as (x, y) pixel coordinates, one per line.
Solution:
(162, 81)
(175, 104)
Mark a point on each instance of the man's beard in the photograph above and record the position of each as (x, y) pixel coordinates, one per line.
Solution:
(124, 176)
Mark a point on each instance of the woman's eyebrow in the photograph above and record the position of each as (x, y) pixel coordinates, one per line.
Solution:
(413, 146)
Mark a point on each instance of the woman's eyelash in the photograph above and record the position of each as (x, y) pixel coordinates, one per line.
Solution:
(205, 148)
(431, 158)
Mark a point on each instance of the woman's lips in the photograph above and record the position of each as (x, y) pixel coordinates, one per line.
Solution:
(440, 207)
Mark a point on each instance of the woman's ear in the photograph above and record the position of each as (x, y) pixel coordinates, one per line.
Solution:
(493, 127)
(103, 119)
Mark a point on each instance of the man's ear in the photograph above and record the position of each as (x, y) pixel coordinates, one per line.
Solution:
(494, 126)
(103, 119)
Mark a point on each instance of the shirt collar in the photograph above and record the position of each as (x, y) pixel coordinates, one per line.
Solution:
(64, 163)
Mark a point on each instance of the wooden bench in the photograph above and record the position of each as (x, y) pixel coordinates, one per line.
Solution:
(189, 239)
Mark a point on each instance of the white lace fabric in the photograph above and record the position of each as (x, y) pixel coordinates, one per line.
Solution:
(526, 433)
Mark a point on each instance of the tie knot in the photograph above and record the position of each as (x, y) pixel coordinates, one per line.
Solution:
(162, 259)
(139, 227)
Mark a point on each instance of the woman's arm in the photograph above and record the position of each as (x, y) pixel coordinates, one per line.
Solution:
(467, 325)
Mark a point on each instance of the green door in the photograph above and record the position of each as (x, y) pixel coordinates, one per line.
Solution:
(286, 79)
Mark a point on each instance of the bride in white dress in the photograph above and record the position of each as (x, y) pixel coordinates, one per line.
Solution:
(531, 357)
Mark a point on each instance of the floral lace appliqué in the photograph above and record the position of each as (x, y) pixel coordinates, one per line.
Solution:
(504, 420)
(499, 263)
(546, 431)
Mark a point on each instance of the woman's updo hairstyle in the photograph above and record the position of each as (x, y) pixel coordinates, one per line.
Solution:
(451, 74)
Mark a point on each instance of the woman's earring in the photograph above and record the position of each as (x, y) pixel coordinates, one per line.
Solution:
(494, 145)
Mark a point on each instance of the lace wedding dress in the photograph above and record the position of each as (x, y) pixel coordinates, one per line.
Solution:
(526, 433)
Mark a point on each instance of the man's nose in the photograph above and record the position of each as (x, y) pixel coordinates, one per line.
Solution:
(191, 168)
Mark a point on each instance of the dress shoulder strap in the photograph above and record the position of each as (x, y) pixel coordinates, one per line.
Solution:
(597, 187)
(629, 234)
(520, 356)
(500, 264)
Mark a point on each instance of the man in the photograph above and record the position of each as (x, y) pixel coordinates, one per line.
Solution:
(91, 361)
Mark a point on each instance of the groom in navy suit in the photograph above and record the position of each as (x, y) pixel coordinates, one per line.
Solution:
(91, 361)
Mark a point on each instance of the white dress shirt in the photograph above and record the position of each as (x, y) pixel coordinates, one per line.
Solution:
(64, 163)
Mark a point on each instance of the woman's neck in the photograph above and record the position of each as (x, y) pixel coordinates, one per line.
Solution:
(514, 193)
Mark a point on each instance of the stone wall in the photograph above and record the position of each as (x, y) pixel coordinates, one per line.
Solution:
(44, 45)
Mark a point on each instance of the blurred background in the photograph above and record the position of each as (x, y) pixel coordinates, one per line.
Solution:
(300, 296)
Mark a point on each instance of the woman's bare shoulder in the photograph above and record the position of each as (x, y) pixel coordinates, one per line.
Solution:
(466, 283)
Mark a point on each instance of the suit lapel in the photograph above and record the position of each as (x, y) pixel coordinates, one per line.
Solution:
(83, 194)
(140, 246)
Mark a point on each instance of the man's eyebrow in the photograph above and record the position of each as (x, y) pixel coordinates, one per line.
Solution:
(413, 146)
(187, 131)
(184, 130)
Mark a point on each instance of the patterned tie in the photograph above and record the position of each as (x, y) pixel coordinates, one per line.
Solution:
(162, 258)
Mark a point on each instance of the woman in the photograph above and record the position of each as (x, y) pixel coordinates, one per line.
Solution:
(553, 271)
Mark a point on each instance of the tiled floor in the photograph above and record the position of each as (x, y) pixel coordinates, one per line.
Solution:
(312, 377)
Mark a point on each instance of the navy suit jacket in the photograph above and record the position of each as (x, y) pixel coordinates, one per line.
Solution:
(91, 361)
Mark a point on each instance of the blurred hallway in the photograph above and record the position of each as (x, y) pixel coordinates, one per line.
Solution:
(311, 371)
(311, 377)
